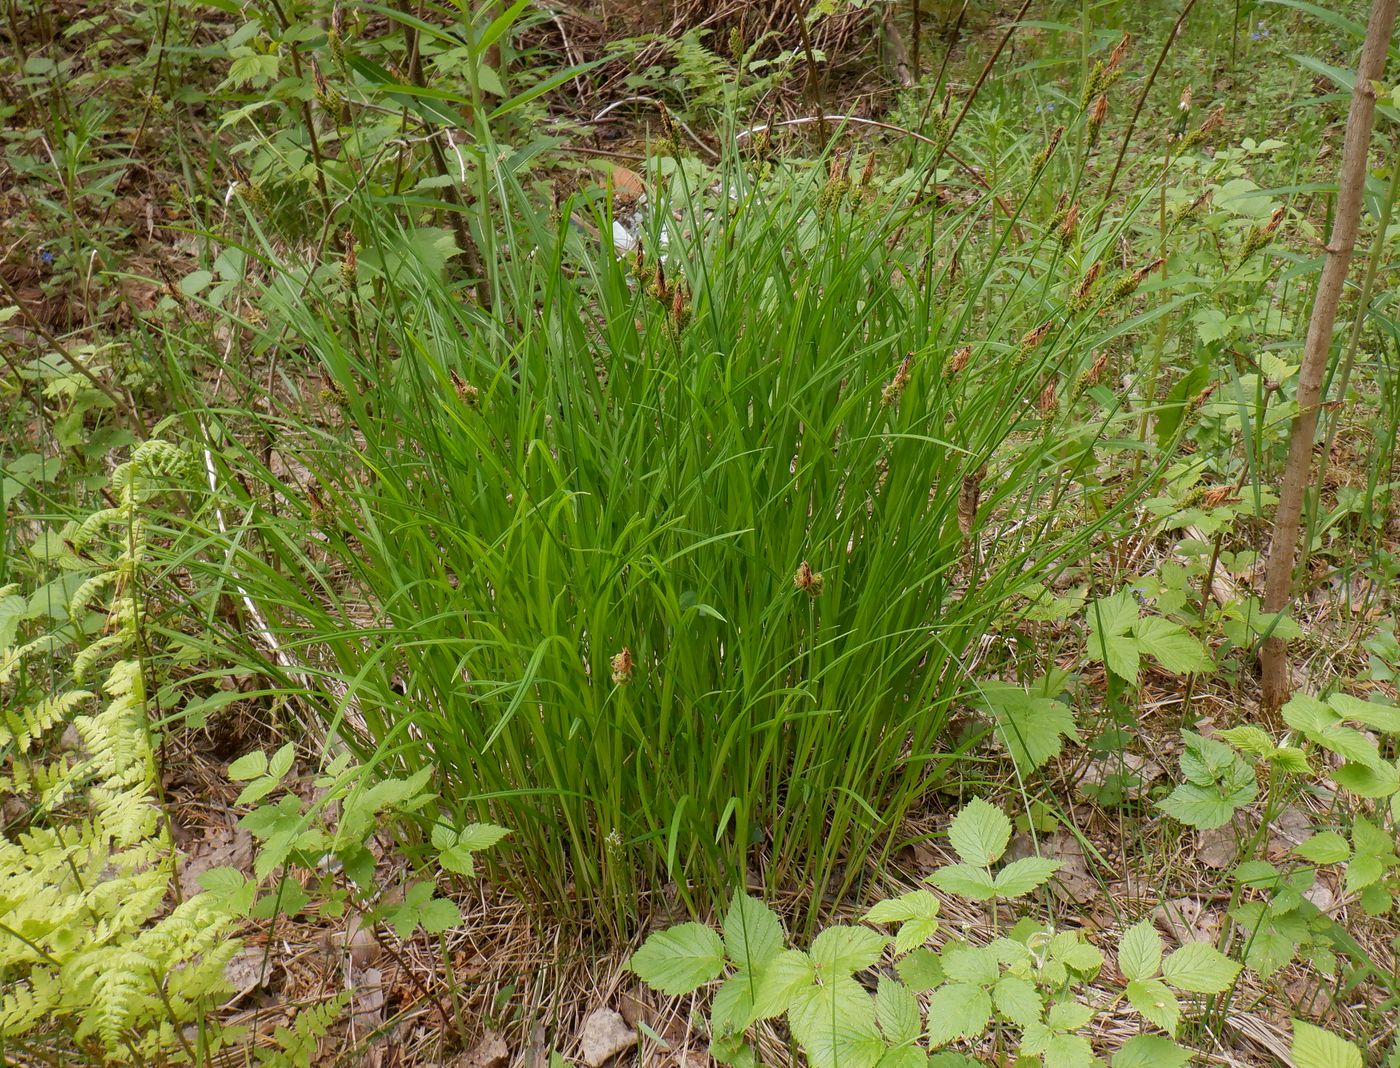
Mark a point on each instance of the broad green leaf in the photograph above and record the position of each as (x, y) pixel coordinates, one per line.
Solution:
(980, 833)
(734, 1006)
(1140, 951)
(845, 950)
(1151, 1051)
(1113, 615)
(1070, 1051)
(281, 761)
(752, 933)
(975, 884)
(1202, 807)
(1315, 1048)
(970, 964)
(835, 1025)
(1018, 1000)
(248, 766)
(1325, 847)
(779, 981)
(915, 905)
(1380, 779)
(439, 915)
(1155, 1001)
(897, 1011)
(1200, 968)
(921, 971)
(1031, 727)
(1249, 739)
(1022, 876)
(679, 960)
(1370, 713)
(904, 1057)
(957, 1011)
(1068, 1016)
(914, 933)
(1171, 645)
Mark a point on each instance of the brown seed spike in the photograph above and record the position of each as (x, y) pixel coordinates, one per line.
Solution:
(959, 360)
(1119, 51)
(807, 580)
(1049, 398)
(622, 667)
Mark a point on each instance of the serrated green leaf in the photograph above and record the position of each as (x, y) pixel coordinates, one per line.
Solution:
(1200, 968)
(980, 833)
(1020, 877)
(1140, 951)
(778, 981)
(1202, 807)
(281, 761)
(1315, 1048)
(1248, 739)
(752, 933)
(896, 1011)
(970, 964)
(1378, 779)
(835, 1025)
(1070, 1051)
(1325, 847)
(1018, 1000)
(679, 960)
(1068, 1016)
(914, 933)
(248, 766)
(1151, 1051)
(845, 950)
(957, 1010)
(1155, 1001)
(1031, 727)
(1171, 645)
(915, 905)
(975, 884)
(921, 971)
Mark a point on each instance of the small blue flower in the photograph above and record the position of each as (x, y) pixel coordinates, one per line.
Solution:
(46, 256)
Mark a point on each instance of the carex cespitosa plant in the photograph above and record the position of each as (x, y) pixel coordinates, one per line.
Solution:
(672, 559)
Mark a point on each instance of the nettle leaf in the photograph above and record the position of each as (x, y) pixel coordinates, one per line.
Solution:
(835, 1025)
(1018, 1000)
(958, 1010)
(456, 848)
(914, 933)
(980, 833)
(1155, 1001)
(1151, 1051)
(915, 905)
(1022, 876)
(1249, 739)
(1369, 713)
(1200, 968)
(896, 1011)
(905, 1057)
(1031, 727)
(1140, 951)
(1172, 646)
(1325, 847)
(845, 950)
(752, 933)
(975, 884)
(1380, 779)
(248, 766)
(779, 981)
(1202, 807)
(1315, 1048)
(679, 960)
(735, 1005)
(1070, 1051)
(1068, 1016)
(971, 964)
(921, 971)
(1114, 615)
